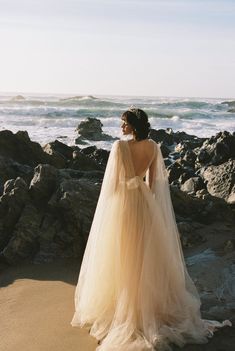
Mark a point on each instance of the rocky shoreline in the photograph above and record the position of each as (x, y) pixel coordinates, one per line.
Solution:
(49, 193)
(48, 197)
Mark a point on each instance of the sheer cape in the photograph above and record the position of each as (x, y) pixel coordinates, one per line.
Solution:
(133, 289)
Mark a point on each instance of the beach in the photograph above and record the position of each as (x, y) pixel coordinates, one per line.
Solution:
(37, 305)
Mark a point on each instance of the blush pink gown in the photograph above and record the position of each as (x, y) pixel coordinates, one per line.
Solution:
(133, 290)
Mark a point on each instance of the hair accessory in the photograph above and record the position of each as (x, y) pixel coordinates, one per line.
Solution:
(135, 110)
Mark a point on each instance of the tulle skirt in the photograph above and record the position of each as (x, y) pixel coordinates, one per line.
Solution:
(133, 290)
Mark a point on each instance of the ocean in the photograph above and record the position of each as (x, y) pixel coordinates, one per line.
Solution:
(50, 117)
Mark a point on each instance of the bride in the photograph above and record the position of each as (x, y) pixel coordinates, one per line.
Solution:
(133, 290)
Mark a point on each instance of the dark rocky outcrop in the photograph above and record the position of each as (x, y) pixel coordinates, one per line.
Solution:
(60, 152)
(216, 150)
(20, 148)
(220, 180)
(49, 218)
(230, 103)
(91, 129)
(57, 197)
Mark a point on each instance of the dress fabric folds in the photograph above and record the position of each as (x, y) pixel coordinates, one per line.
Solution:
(133, 289)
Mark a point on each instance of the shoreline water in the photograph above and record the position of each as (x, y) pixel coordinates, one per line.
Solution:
(48, 117)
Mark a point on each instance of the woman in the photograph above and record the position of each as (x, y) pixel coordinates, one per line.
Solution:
(133, 289)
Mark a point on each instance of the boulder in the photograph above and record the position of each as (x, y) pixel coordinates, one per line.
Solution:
(10, 169)
(229, 103)
(100, 156)
(199, 209)
(91, 129)
(192, 185)
(161, 135)
(61, 153)
(21, 149)
(191, 141)
(216, 150)
(83, 162)
(12, 203)
(180, 170)
(220, 180)
(24, 239)
(43, 183)
(60, 148)
(50, 218)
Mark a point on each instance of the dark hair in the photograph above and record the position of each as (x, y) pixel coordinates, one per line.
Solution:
(138, 119)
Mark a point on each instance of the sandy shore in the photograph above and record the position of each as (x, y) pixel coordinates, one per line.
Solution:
(37, 305)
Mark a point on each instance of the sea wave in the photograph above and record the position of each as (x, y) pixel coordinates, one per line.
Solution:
(49, 117)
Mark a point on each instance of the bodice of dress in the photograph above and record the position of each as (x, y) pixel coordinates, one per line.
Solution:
(130, 178)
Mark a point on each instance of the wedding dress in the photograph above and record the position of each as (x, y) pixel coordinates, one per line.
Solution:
(133, 290)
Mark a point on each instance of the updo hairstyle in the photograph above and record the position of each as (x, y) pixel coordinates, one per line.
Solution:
(138, 120)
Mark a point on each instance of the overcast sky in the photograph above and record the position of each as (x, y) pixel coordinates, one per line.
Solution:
(109, 47)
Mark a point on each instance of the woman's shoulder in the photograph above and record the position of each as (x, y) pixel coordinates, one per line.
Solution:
(152, 141)
(116, 145)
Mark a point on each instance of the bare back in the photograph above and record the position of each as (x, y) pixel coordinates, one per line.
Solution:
(142, 153)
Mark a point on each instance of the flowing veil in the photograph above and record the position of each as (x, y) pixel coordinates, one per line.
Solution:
(133, 289)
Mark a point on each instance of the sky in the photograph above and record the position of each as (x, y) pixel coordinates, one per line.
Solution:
(108, 47)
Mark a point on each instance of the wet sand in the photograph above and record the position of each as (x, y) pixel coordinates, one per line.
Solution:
(37, 305)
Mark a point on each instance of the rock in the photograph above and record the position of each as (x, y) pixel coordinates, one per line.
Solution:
(220, 180)
(24, 243)
(231, 198)
(192, 185)
(43, 183)
(91, 129)
(198, 209)
(69, 173)
(180, 169)
(216, 150)
(191, 141)
(89, 150)
(232, 110)
(60, 148)
(74, 203)
(10, 169)
(83, 162)
(12, 203)
(21, 149)
(161, 135)
(190, 157)
(61, 153)
(229, 103)
(100, 156)
(202, 194)
(61, 202)
(175, 170)
(50, 218)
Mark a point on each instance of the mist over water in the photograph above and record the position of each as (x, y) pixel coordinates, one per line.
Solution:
(49, 117)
